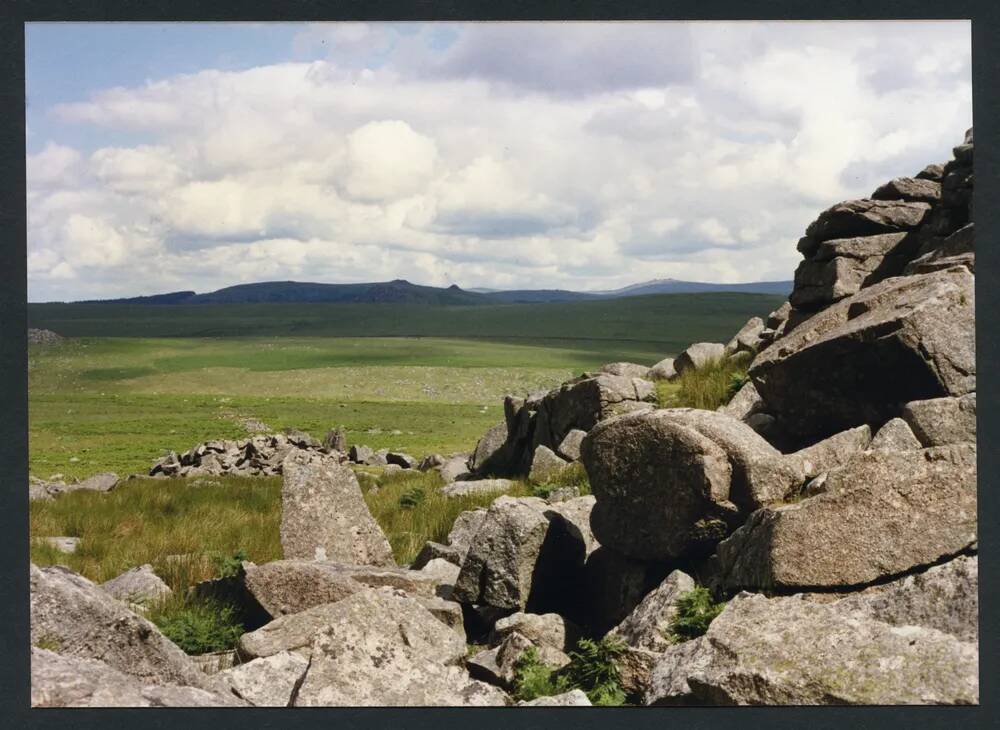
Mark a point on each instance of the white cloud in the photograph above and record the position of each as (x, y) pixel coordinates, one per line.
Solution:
(394, 159)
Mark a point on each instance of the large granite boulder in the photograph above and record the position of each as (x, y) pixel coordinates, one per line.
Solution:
(648, 626)
(464, 530)
(491, 453)
(524, 557)
(904, 339)
(385, 649)
(83, 621)
(61, 680)
(882, 514)
(942, 421)
(324, 515)
(789, 651)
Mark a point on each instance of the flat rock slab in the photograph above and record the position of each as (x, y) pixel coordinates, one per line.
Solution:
(788, 651)
(58, 680)
(942, 421)
(882, 514)
(477, 486)
(324, 515)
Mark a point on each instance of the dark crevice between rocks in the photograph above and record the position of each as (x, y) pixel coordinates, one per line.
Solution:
(294, 696)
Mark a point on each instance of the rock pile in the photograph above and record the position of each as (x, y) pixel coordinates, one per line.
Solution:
(43, 337)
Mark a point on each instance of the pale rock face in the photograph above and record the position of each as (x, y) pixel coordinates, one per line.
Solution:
(648, 626)
(138, 585)
(626, 369)
(383, 649)
(569, 448)
(324, 515)
(882, 514)
(497, 665)
(698, 355)
(748, 337)
(663, 370)
(85, 622)
(476, 486)
(790, 651)
(895, 435)
(547, 629)
(573, 698)
(267, 682)
(59, 680)
(942, 421)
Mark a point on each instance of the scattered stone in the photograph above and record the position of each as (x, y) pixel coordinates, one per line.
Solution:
(445, 573)
(138, 585)
(882, 514)
(476, 486)
(789, 651)
(336, 440)
(43, 337)
(699, 355)
(324, 515)
(453, 469)
(301, 439)
(648, 626)
(490, 454)
(942, 421)
(398, 458)
(360, 454)
(465, 528)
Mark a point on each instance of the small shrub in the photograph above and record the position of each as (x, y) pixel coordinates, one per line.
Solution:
(695, 611)
(710, 386)
(229, 566)
(47, 641)
(199, 627)
(532, 679)
(593, 668)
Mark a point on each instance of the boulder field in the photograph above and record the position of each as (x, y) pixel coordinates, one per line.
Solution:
(826, 515)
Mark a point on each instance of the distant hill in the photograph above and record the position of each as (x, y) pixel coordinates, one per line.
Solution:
(400, 291)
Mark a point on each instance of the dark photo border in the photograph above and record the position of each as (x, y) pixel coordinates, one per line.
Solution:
(15, 711)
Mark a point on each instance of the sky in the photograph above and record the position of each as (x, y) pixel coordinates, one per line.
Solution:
(193, 156)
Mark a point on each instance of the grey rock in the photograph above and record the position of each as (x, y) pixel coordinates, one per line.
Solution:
(269, 681)
(831, 452)
(575, 515)
(866, 218)
(895, 435)
(911, 189)
(360, 454)
(384, 649)
(378, 458)
(521, 558)
(573, 698)
(744, 404)
(569, 447)
(562, 494)
(944, 597)
(465, 528)
(437, 551)
(400, 459)
(547, 629)
(913, 337)
(880, 515)
(942, 421)
(289, 586)
(476, 486)
(138, 585)
(788, 651)
(931, 172)
(446, 611)
(336, 440)
(445, 573)
(546, 466)
(497, 665)
(699, 355)
(648, 625)
(59, 680)
(490, 454)
(292, 632)
(85, 622)
(324, 515)
(626, 369)
(748, 337)
(663, 370)
(453, 469)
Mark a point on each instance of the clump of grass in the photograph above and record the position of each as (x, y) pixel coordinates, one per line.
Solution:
(412, 497)
(593, 668)
(199, 626)
(574, 475)
(710, 386)
(407, 529)
(227, 566)
(695, 612)
(47, 641)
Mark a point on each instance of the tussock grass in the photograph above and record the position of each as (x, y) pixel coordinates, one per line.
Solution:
(696, 609)
(592, 668)
(707, 387)
(182, 530)
(429, 518)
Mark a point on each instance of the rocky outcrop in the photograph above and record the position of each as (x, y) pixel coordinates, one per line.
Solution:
(905, 339)
(882, 514)
(60, 680)
(791, 651)
(261, 455)
(324, 515)
(747, 339)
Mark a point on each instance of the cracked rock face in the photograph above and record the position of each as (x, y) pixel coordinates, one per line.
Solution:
(882, 514)
(762, 651)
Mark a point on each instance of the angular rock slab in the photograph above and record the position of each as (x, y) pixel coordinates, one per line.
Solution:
(521, 558)
(476, 486)
(698, 356)
(384, 649)
(626, 369)
(787, 651)
(942, 421)
(138, 585)
(903, 339)
(895, 435)
(324, 515)
(546, 629)
(58, 680)
(882, 514)
(648, 626)
(663, 370)
(497, 666)
(69, 611)
(267, 682)
(490, 455)
(569, 447)
(546, 465)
